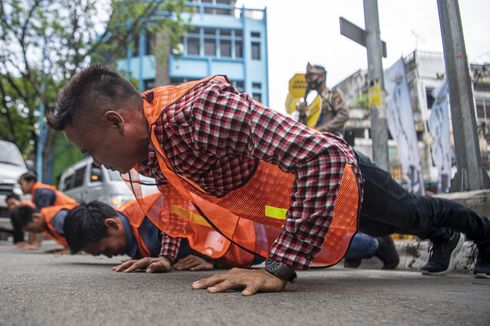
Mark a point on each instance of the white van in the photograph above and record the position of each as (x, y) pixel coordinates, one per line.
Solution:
(12, 165)
(84, 181)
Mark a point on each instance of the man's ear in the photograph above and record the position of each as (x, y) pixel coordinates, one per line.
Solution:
(112, 223)
(115, 119)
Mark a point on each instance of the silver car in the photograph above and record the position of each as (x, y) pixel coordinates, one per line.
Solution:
(12, 165)
(85, 182)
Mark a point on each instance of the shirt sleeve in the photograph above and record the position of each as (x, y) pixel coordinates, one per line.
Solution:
(225, 121)
(44, 198)
(170, 246)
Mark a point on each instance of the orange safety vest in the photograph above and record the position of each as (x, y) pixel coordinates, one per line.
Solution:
(48, 213)
(233, 256)
(135, 215)
(61, 198)
(251, 216)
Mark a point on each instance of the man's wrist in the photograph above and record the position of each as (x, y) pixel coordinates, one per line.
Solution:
(280, 270)
(170, 258)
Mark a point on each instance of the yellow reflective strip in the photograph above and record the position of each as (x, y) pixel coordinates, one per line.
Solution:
(275, 212)
(196, 218)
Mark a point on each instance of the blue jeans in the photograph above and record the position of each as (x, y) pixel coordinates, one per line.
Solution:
(362, 246)
(388, 208)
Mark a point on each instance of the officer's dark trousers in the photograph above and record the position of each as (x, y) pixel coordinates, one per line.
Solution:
(388, 208)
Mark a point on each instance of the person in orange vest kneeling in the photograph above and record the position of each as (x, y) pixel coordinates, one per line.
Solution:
(49, 220)
(43, 195)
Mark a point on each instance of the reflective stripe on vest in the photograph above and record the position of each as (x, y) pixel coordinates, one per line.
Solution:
(251, 216)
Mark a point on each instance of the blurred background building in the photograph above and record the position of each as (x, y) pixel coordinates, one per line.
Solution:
(425, 72)
(221, 39)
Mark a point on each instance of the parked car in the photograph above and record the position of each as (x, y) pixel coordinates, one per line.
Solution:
(85, 181)
(12, 165)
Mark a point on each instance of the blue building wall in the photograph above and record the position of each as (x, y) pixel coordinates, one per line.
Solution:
(232, 44)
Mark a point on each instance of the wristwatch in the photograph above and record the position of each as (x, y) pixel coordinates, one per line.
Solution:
(280, 270)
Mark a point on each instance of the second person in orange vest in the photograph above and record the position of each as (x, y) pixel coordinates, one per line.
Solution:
(49, 220)
(43, 195)
(99, 229)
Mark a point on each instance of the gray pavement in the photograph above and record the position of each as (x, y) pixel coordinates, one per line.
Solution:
(43, 289)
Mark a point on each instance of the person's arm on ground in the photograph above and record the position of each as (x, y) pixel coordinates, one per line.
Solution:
(193, 263)
(162, 264)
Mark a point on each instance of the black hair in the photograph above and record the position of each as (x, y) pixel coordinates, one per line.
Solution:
(12, 195)
(28, 176)
(94, 86)
(85, 224)
(22, 215)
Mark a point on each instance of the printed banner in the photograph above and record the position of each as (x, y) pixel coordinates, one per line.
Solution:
(402, 127)
(438, 124)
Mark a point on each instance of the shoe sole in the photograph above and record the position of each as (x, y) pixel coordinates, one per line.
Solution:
(451, 259)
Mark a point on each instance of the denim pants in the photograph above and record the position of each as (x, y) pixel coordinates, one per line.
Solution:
(388, 208)
(362, 246)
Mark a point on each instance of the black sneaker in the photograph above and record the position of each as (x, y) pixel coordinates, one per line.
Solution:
(387, 252)
(442, 255)
(482, 266)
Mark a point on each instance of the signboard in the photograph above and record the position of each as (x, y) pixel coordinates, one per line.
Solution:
(297, 86)
(374, 96)
(314, 111)
(401, 124)
(291, 103)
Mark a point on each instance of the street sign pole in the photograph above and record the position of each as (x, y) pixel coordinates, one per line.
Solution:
(379, 123)
(470, 175)
(370, 38)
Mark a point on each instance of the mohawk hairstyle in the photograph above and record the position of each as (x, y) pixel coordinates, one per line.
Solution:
(85, 224)
(94, 86)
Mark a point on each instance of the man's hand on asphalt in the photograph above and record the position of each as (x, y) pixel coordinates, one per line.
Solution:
(250, 280)
(27, 246)
(193, 263)
(150, 265)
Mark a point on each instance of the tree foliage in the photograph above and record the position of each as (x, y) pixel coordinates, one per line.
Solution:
(43, 43)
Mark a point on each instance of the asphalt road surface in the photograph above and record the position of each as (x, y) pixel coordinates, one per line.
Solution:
(42, 289)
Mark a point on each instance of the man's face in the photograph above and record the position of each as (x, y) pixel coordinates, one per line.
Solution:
(36, 225)
(114, 244)
(314, 78)
(26, 186)
(117, 146)
(12, 203)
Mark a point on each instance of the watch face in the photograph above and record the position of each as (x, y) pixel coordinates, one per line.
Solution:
(274, 266)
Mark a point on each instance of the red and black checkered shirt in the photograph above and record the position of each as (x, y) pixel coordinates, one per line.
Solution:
(214, 136)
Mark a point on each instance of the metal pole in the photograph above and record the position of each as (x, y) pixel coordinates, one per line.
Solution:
(469, 175)
(379, 124)
(43, 132)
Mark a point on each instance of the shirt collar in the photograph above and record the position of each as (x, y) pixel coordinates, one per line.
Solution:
(132, 246)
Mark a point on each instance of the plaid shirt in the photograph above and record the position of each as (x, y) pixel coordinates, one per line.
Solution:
(214, 135)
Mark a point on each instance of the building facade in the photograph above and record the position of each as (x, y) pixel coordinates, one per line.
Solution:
(425, 72)
(223, 40)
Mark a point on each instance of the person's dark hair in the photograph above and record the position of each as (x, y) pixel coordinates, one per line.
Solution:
(28, 176)
(12, 195)
(22, 215)
(322, 69)
(84, 224)
(94, 86)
